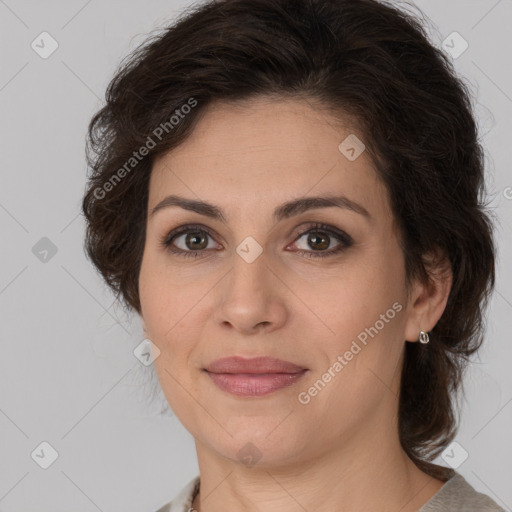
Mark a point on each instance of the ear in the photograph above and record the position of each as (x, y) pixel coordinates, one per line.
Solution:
(427, 301)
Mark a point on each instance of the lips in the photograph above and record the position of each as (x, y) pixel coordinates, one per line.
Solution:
(253, 377)
(253, 365)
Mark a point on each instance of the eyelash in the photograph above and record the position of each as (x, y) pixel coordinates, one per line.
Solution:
(340, 236)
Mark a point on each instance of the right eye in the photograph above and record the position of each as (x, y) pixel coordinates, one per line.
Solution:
(193, 240)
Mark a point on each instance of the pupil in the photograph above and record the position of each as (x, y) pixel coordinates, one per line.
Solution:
(312, 237)
(191, 239)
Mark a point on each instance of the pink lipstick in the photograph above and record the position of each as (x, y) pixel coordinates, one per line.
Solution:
(255, 376)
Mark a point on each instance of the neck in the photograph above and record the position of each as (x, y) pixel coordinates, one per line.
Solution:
(368, 471)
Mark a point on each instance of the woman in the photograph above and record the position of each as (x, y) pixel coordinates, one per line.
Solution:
(288, 193)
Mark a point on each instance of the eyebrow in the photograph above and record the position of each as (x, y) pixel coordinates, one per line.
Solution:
(284, 211)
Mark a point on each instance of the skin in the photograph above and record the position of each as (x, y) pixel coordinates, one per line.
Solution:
(342, 447)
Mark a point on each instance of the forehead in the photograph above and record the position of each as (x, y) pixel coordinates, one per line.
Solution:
(272, 149)
(230, 130)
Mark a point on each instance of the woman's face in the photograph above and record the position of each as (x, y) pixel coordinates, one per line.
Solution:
(266, 281)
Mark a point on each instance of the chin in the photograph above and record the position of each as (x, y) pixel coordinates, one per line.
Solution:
(258, 443)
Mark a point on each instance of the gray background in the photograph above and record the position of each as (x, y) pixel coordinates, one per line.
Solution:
(68, 375)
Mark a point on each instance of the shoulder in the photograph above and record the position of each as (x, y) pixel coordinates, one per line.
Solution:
(458, 495)
(183, 500)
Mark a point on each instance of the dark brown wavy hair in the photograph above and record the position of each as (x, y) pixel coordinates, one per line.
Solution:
(359, 58)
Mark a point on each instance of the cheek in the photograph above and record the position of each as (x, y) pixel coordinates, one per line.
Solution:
(171, 325)
(359, 368)
(160, 305)
(172, 311)
(363, 309)
(161, 293)
(356, 300)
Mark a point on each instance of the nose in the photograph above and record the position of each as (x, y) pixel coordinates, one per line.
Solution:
(251, 297)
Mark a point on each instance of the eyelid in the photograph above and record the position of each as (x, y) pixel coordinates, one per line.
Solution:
(320, 226)
(167, 239)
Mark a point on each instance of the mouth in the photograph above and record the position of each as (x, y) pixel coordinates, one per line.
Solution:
(253, 377)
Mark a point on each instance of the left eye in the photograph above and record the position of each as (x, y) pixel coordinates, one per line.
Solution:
(320, 238)
(194, 240)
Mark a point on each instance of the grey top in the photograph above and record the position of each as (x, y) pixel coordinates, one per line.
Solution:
(456, 495)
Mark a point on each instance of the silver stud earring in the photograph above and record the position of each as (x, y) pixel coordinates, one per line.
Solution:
(424, 337)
